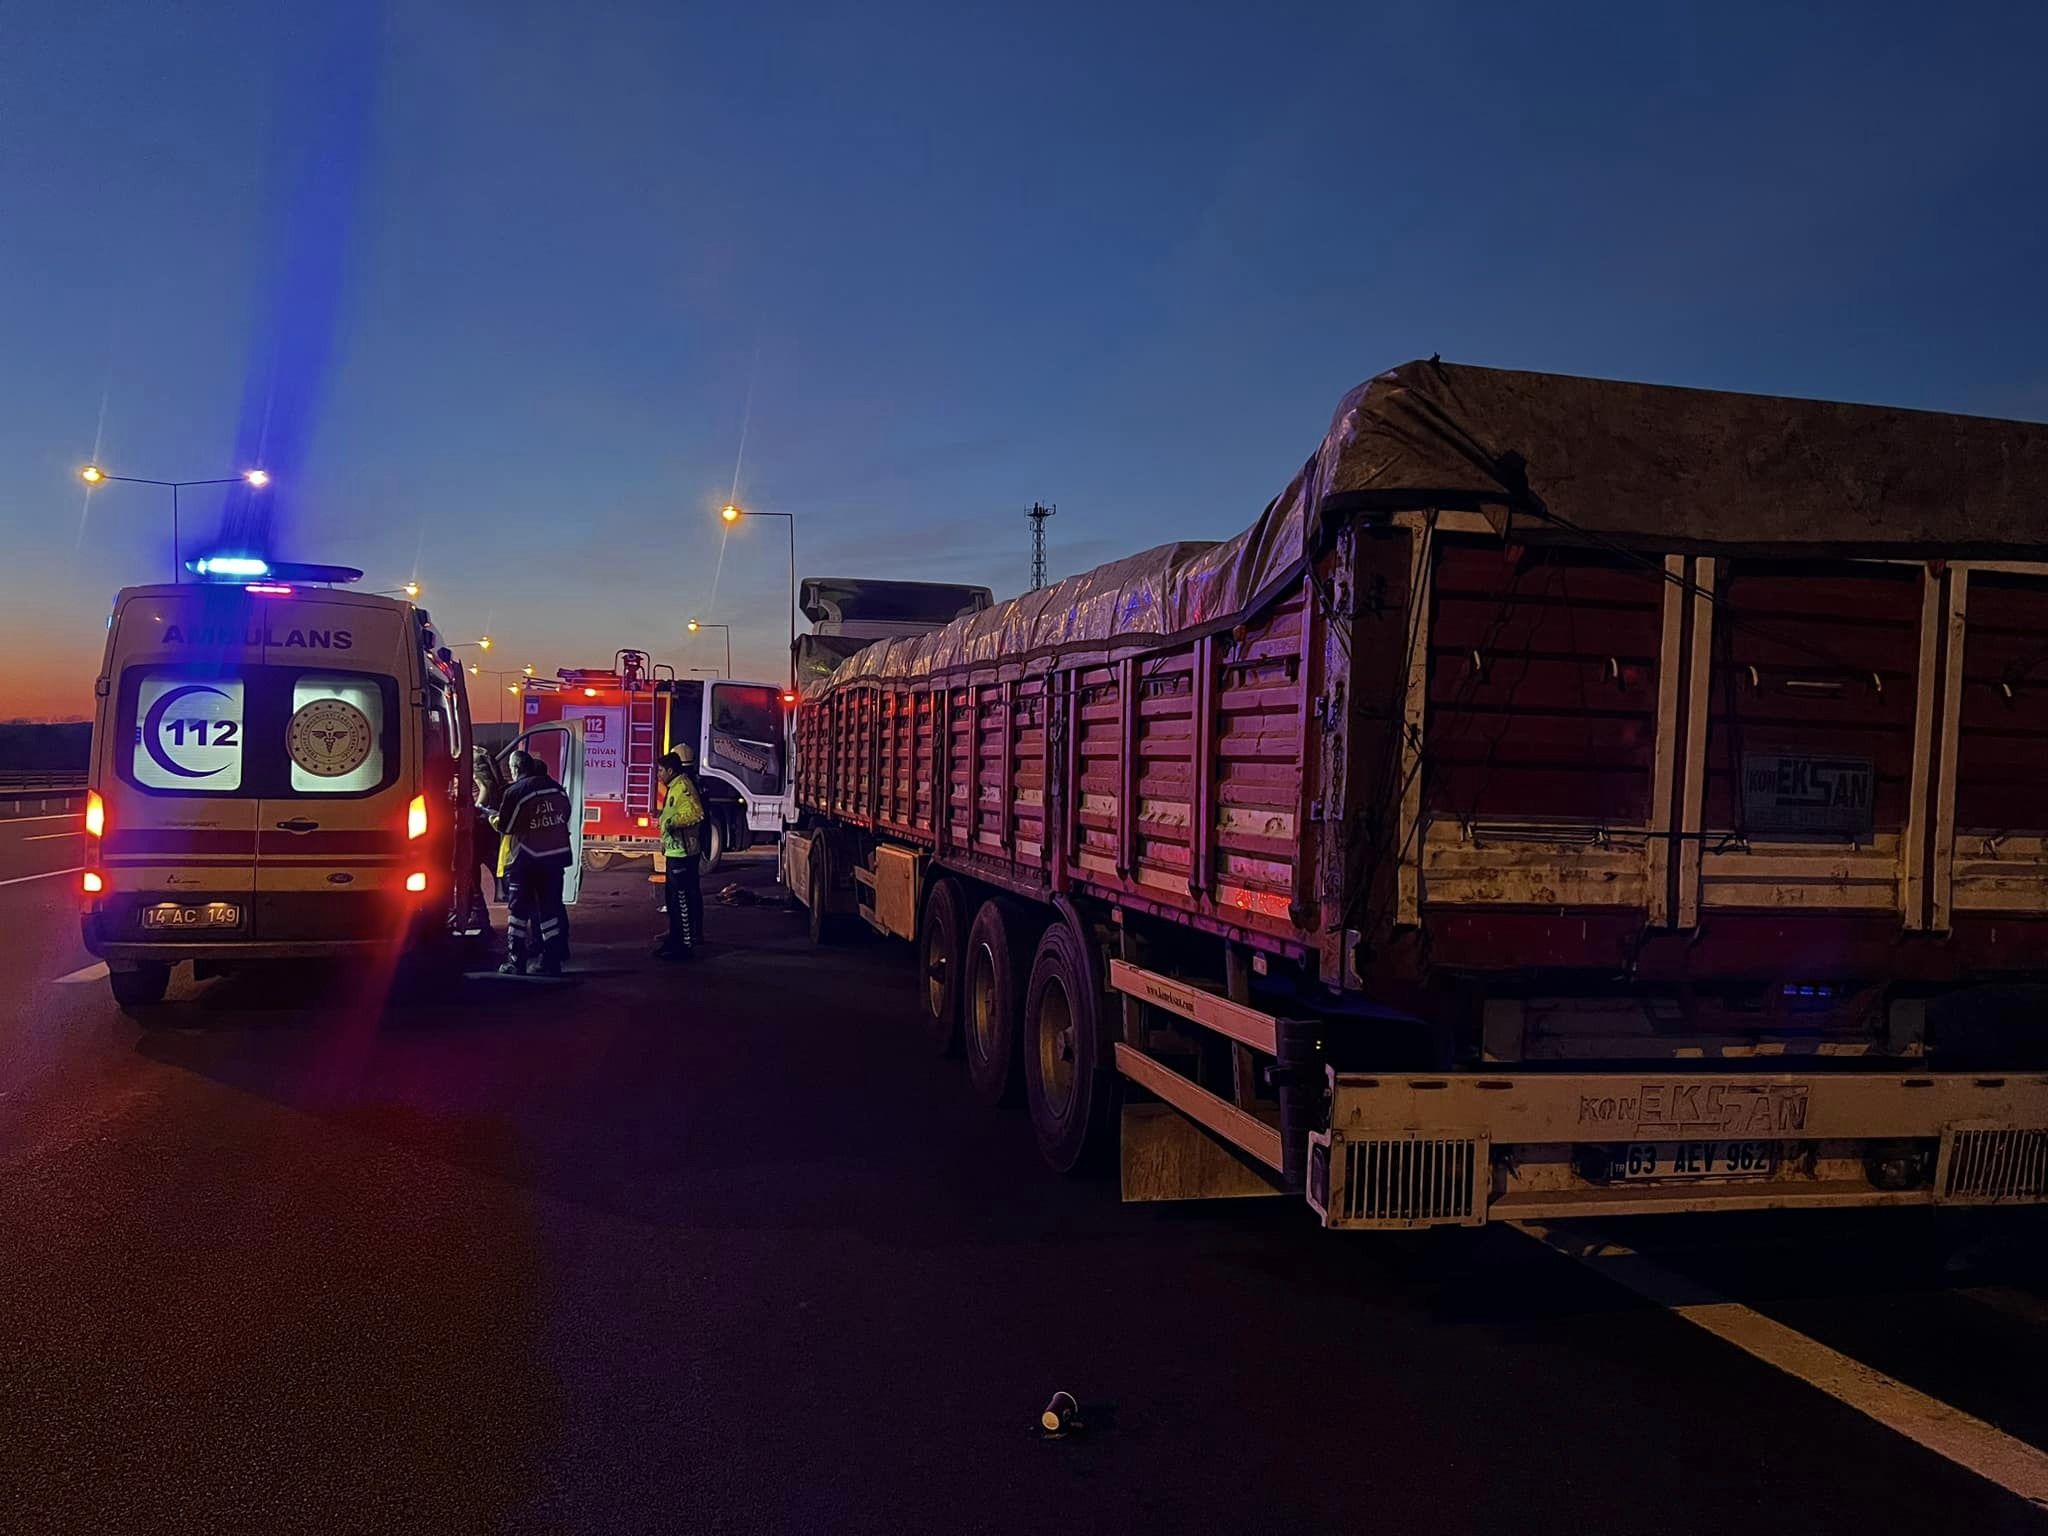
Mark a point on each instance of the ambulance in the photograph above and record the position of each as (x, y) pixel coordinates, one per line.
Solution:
(281, 773)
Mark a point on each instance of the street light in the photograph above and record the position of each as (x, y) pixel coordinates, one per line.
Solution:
(695, 626)
(476, 669)
(732, 512)
(255, 479)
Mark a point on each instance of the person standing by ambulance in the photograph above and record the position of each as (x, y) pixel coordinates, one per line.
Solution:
(533, 820)
(682, 813)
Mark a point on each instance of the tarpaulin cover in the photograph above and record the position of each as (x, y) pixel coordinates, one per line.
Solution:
(1552, 457)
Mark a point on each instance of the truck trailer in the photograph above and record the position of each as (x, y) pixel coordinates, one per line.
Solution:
(1568, 797)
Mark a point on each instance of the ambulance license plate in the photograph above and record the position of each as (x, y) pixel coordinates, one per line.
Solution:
(1641, 1161)
(214, 914)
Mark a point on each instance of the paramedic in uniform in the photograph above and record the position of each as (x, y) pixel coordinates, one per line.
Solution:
(533, 819)
(682, 812)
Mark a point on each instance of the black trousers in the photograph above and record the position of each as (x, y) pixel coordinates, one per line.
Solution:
(684, 898)
(536, 922)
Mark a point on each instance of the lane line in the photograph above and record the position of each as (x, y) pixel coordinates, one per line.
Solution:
(2012, 1301)
(48, 874)
(15, 821)
(1962, 1438)
(97, 971)
(50, 837)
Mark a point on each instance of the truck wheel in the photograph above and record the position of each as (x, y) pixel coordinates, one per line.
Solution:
(820, 893)
(990, 1000)
(714, 844)
(140, 987)
(1065, 1087)
(598, 860)
(938, 955)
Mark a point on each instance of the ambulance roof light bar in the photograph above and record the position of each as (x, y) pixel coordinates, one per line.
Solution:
(235, 567)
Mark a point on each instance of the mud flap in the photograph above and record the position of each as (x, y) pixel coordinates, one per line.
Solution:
(1166, 1156)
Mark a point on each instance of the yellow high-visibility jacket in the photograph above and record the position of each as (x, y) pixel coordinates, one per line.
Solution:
(682, 811)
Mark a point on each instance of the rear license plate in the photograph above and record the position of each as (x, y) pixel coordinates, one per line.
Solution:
(1640, 1161)
(213, 914)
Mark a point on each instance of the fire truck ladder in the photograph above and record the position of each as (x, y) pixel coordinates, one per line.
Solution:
(640, 752)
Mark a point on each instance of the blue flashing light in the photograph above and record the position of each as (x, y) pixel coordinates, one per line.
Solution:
(239, 566)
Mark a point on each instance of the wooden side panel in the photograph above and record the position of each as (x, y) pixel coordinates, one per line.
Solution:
(924, 795)
(2002, 750)
(1258, 762)
(1164, 750)
(864, 703)
(1027, 741)
(990, 765)
(1818, 660)
(1542, 684)
(959, 767)
(1099, 740)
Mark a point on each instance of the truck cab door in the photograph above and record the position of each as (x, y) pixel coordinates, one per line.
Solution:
(559, 744)
(746, 744)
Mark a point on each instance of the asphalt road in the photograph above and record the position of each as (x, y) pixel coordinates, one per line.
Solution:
(720, 1249)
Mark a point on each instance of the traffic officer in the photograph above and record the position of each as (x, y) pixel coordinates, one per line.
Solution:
(533, 819)
(682, 813)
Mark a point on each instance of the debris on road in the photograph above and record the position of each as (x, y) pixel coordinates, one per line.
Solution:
(1061, 1417)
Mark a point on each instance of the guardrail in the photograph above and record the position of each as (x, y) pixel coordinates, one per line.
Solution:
(40, 794)
(69, 782)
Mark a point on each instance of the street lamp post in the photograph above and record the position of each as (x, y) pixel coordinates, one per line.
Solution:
(732, 513)
(255, 479)
(695, 626)
(498, 676)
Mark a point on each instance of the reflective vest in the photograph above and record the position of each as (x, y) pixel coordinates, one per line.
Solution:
(533, 818)
(681, 811)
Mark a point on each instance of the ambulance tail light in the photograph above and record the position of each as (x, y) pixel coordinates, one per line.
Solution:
(95, 814)
(416, 881)
(92, 883)
(416, 822)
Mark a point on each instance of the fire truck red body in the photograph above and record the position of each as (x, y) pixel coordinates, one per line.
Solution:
(632, 716)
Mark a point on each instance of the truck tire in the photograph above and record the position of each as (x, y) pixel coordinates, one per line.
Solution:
(939, 951)
(714, 843)
(141, 987)
(1067, 1090)
(991, 998)
(598, 860)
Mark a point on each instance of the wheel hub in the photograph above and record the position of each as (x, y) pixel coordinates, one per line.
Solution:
(1056, 1045)
(981, 1012)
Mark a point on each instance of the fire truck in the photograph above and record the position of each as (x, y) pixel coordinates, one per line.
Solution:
(632, 713)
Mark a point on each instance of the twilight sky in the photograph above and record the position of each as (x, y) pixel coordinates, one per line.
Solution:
(488, 283)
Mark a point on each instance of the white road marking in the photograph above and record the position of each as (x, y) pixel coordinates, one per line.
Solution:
(1969, 1442)
(50, 837)
(15, 821)
(48, 874)
(2024, 1305)
(97, 971)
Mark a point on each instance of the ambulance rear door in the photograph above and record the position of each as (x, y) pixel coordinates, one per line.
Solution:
(346, 759)
(559, 744)
(172, 765)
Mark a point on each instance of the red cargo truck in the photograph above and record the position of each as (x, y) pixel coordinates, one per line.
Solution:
(1568, 797)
